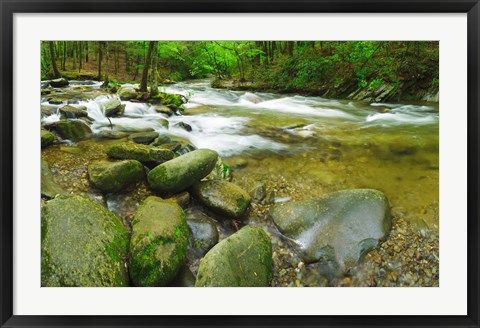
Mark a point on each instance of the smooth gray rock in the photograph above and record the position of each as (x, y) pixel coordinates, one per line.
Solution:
(337, 229)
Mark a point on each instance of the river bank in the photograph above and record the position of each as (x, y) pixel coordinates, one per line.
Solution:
(411, 91)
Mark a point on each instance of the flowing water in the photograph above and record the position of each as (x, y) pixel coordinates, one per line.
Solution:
(302, 147)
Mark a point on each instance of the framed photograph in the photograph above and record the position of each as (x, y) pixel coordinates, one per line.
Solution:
(319, 156)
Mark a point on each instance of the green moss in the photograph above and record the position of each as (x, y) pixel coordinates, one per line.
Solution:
(47, 138)
(83, 244)
(159, 242)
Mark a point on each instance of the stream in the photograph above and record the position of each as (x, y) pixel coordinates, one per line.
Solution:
(300, 147)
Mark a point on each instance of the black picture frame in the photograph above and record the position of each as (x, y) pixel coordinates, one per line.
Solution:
(10, 7)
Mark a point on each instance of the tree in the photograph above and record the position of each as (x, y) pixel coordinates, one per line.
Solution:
(143, 84)
(56, 73)
(107, 63)
(99, 44)
(154, 84)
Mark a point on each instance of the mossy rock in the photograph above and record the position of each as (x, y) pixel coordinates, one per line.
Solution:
(115, 176)
(162, 139)
(244, 259)
(144, 138)
(73, 130)
(159, 242)
(83, 244)
(46, 111)
(113, 107)
(180, 173)
(47, 138)
(68, 97)
(141, 153)
(222, 197)
(164, 110)
(73, 112)
(58, 83)
(127, 93)
(167, 99)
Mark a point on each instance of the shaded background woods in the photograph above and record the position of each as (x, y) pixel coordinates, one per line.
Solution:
(363, 70)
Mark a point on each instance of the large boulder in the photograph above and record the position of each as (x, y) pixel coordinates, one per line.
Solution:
(83, 244)
(58, 83)
(47, 138)
(180, 173)
(115, 176)
(141, 153)
(113, 107)
(159, 242)
(70, 111)
(336, 229)
(242, 260)
(127, 93)
(222, 197)
(50, 188)
(144, 138)
(73, 130)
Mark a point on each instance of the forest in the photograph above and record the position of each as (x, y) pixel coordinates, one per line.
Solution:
(329, 68)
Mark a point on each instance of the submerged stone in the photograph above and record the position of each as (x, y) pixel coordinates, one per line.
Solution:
(203, 231)
(244, 259)
(50, 188)
(115, 176)
(159, 242)
(180, 173)
(127, 93)
(83, 244)
(336, 229)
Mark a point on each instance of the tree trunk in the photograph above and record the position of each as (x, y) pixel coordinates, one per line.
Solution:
(290, 48)
(74, 55)
(99, 76)
(117, 61)
(80, 56)
(127, 60)
(64, 55)
(86, 51)
(54, 62)
(107, 63)
(143, 85)
(154, 84)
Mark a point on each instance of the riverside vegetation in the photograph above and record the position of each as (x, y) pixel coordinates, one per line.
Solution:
(272, 163)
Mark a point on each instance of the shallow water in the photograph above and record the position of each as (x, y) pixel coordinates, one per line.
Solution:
(316, 143)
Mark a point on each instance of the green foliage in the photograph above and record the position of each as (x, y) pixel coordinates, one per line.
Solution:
(306, 66)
